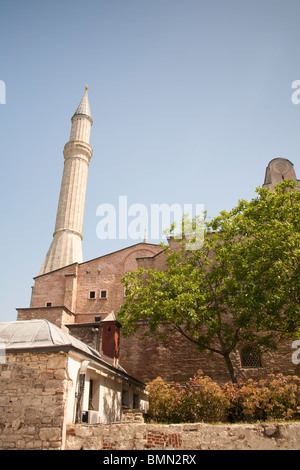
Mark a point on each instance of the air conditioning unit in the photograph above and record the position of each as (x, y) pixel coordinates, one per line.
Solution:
(91, 417)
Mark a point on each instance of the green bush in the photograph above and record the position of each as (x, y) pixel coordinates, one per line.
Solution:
(201, 400)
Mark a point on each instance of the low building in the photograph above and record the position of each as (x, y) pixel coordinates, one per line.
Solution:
(50, 379)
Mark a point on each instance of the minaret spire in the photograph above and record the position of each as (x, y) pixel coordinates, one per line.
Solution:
(66, 247)
(84, 105)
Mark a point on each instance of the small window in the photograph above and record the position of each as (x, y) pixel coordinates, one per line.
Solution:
(48, 304)
(136, 401)
(250, 358)
(92, 294)
(103, 294)
(125, 398)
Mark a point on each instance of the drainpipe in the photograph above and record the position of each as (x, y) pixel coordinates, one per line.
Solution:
(80, 392)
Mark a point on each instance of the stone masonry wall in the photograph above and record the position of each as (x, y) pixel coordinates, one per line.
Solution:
(268, 436)
(33, 390)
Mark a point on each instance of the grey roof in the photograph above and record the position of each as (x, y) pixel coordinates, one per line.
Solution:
(40, 334)
(110, 317)
(84, 106)
(36, 334)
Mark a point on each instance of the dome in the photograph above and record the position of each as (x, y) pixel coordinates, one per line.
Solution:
(37, 334)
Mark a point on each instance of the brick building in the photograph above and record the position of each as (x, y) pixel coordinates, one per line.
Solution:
(79, 296)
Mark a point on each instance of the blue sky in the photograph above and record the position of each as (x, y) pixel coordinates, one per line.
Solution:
(190, 100)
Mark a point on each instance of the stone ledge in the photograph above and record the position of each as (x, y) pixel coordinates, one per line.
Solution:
(134, 436)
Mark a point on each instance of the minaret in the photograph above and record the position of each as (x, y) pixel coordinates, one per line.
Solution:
(66, 246)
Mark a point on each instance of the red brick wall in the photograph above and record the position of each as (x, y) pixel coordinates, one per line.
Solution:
(177, 359)
(59, 316)
(70, 286)
(105, 274)
(110, 340)
(55, 287)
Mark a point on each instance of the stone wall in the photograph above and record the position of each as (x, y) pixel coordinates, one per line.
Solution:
(271, 436)
(33, 400)
(33, 388)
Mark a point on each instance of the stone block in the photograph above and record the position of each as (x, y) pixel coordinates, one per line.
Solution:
(50, 434)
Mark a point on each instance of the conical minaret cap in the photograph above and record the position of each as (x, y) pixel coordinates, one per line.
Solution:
(84, 105)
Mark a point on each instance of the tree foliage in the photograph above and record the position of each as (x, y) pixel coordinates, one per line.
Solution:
(241, 287)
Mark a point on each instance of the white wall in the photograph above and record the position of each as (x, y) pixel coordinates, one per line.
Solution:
(107, 392)
(73, 369)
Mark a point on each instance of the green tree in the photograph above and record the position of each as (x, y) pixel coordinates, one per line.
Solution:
(241, 287)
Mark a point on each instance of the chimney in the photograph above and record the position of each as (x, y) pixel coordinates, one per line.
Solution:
(110, 338)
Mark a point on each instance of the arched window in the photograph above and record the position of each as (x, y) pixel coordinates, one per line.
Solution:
(250, 358)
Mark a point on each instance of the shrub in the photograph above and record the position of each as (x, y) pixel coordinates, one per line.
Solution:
(163, 401)
(282, 396)
(241, 397)
(276, 397)
(202, 400)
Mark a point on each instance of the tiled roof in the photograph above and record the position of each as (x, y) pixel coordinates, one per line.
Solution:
(84, 106)
(40, 334)
(34, 334)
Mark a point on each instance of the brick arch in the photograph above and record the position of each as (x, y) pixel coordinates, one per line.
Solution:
(130, 262)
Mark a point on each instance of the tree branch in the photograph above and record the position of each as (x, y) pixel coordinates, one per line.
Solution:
(197, 342)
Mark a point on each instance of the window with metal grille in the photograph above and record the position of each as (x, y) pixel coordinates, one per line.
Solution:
(250, 358)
